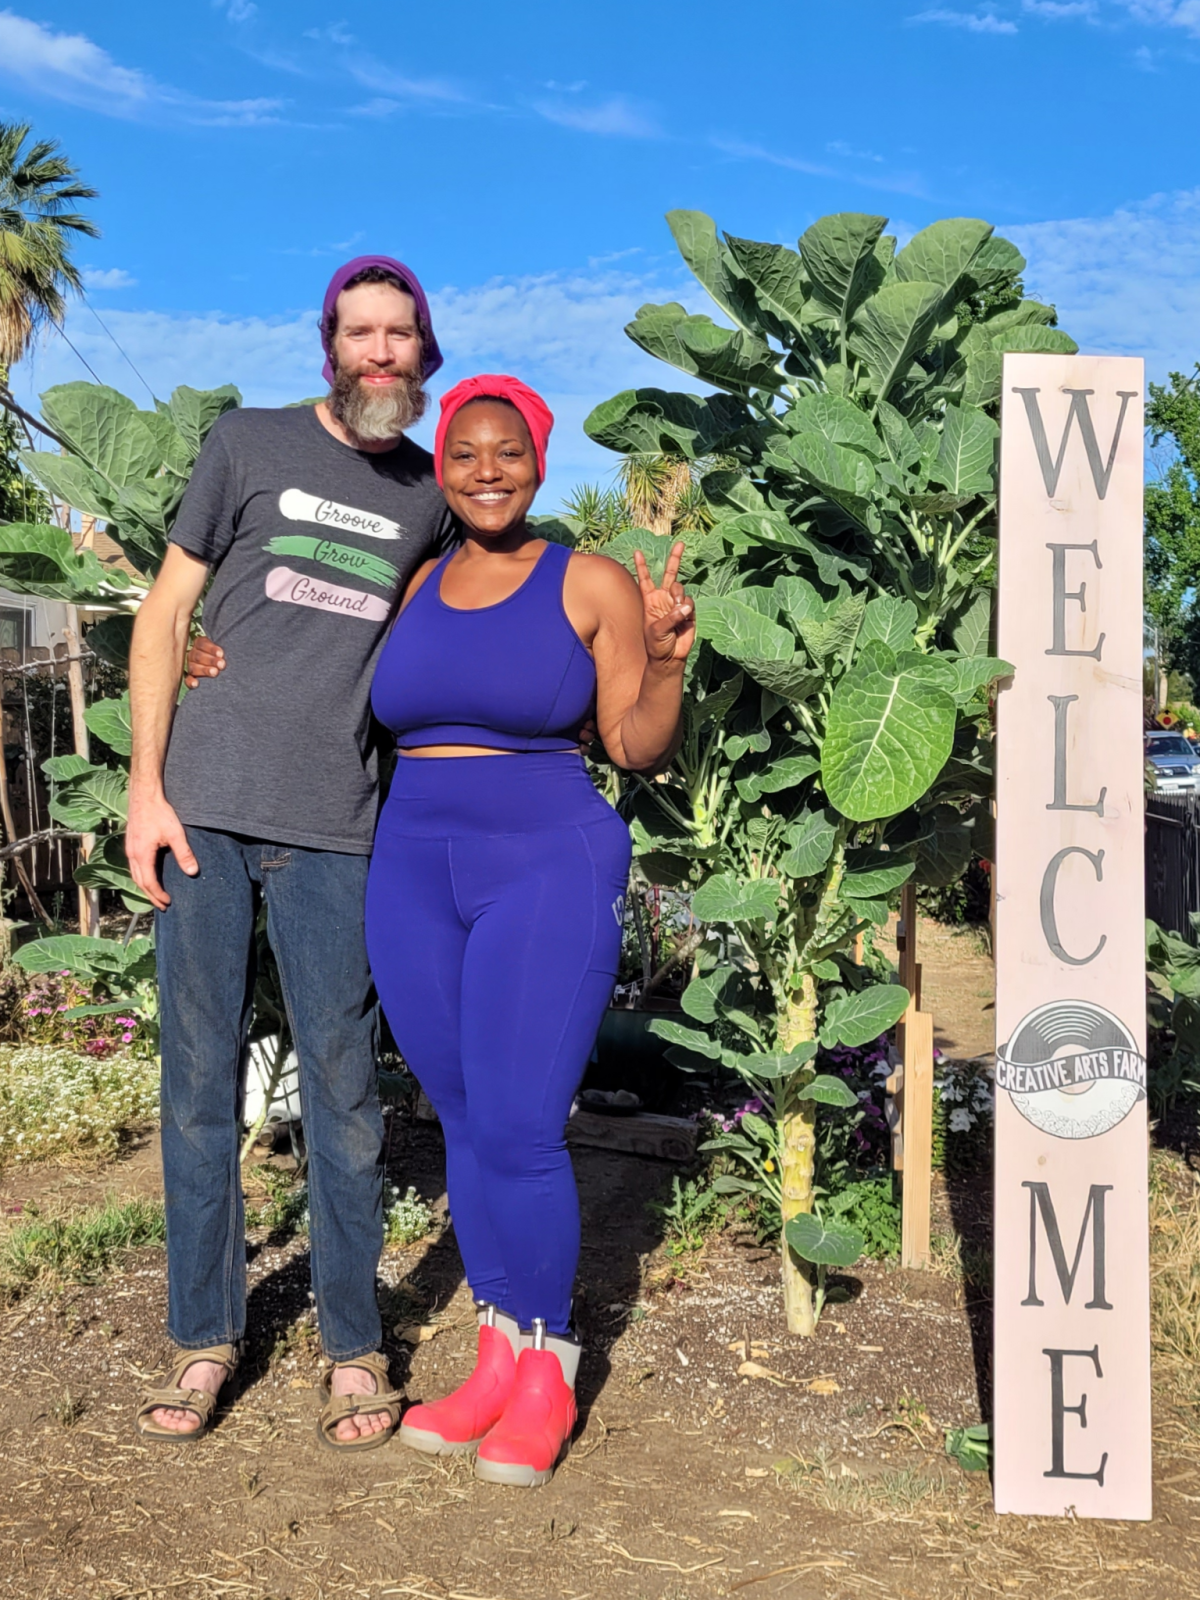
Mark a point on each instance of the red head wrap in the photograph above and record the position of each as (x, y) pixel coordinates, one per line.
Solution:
(539, 419)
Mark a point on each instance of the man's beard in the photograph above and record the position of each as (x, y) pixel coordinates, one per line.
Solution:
(377, 413)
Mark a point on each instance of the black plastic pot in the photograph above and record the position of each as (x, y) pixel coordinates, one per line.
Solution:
(629, 1056)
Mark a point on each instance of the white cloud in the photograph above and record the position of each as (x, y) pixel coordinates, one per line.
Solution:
(372, 74)
(615, 116)
(107, 278)
(1125, 284)
(377, 107)
(1059, 10)
(336, 33)
(237, 10)
(974, 22)
(1167, 13)
(561, 332)
(68, 66)
(897, 183)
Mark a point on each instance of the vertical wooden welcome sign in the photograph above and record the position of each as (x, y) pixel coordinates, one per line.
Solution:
(1072, 1335)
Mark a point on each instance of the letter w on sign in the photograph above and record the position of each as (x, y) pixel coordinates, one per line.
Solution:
(1080, 412)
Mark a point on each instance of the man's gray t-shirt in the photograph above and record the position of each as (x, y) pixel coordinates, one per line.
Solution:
(312, 542)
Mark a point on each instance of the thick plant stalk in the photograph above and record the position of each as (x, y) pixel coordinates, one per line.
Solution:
(797, 1024)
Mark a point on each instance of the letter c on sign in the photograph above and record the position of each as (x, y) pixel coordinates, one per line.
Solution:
(1049, 921)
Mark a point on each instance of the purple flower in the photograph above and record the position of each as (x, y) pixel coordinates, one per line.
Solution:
(126, 1037)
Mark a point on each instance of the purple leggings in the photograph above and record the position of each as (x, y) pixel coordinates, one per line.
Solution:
(494, 913)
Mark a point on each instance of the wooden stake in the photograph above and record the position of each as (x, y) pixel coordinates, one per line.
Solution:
(89, 899)
(10, 828)
(918, 1139)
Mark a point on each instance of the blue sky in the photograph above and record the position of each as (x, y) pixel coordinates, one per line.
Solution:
(521, 159)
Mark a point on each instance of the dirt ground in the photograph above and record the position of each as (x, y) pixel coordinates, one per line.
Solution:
(825, 1477)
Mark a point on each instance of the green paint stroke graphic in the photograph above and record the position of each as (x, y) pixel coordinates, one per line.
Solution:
(342, 556)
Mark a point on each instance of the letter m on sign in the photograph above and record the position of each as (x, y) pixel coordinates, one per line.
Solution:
(1080, 412)
(1040, 1204)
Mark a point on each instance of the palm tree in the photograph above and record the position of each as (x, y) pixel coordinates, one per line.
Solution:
(37, 228)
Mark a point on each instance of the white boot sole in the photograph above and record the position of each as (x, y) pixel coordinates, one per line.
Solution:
(432, 1444)
(512, 1473)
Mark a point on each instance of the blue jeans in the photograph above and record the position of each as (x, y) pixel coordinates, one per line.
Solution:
(205, 944)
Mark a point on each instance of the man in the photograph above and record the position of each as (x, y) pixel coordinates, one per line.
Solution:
(262, 788)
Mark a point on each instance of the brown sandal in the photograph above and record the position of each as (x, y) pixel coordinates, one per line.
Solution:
(172, 1396)
(338, 1407)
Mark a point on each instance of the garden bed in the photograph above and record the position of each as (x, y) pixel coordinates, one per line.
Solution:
(818, 1470)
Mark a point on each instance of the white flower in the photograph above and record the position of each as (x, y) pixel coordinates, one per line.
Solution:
(961, 1120)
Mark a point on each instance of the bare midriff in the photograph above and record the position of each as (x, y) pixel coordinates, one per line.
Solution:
(471, 750)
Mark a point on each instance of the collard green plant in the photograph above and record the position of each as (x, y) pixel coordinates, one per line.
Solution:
(129, 469)
(837, 729)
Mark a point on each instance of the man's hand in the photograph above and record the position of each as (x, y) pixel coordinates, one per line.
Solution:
(153, 826)
(204, 660)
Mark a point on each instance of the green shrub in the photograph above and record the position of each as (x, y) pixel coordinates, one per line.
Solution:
(57, 1102)
(78, 1249)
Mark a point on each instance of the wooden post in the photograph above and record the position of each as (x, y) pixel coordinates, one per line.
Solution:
(911, 1088)
(89, 899)
(10, 828)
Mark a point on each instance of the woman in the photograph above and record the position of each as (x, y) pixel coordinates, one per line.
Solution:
(497, 885)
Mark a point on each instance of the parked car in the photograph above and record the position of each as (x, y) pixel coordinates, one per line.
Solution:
(1174, 761)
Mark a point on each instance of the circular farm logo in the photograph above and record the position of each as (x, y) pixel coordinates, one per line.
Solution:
(1072, 1069)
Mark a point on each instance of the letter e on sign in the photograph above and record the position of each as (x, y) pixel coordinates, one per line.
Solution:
(1072, 1328)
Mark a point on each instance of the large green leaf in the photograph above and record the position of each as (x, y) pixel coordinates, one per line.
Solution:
(938, 842)
(61, 769)
(888, 735)
(93, 798)
(871, 874)
(777, 276)
(686, 1038)
(891, 620)
(974, 673)
(730, 359)
(108, 868)
(825, 1244)
(941, 253)
(193, 411)
(111, 721)
(703, 995)
(740, 631)
(696, 236)
(847, 475)
(837, 420)
(966, 458)
(726, 898)
(111, 637)
(105, 429)
(177, 458)
(839, 256)
(35, 559)
(773, 528)
(971, 623)
(827, 1090)
(834, 634)
(810, 844)
(792, 680)
(650, 421)
(82, 954)
(891, 327)
(71, 481)
(1035, 341)
(783, 774)
(860, 1017)
(151, 504)
(997, 261)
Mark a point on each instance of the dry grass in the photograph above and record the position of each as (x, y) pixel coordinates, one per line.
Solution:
(1175, 1275)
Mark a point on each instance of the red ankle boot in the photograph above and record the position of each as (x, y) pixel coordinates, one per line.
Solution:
(456, 1424)
(527, 1443)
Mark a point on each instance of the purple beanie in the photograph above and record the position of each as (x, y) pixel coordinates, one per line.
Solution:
(433, 356)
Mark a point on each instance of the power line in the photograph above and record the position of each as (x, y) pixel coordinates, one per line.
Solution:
(62, 332)
(119, 346)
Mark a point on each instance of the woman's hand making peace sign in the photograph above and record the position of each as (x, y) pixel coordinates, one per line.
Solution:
(668, 615)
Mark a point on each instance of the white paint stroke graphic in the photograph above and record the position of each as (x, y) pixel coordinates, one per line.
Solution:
(297, 589)
(300, 507)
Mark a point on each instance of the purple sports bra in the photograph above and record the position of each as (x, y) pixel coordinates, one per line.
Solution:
(511, 676)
